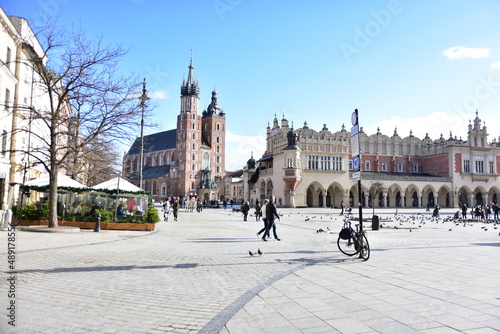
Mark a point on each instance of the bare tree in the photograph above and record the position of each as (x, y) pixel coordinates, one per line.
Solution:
(94, 163)
(87, 101)
(375, 189)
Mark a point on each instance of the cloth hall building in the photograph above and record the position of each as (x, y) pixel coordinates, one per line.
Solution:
(186, 161)
(308, 168)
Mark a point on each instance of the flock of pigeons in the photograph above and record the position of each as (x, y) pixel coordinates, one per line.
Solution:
(409, 222)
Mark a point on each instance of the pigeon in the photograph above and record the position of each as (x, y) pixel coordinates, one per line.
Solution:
(250, 252)
(259, 251)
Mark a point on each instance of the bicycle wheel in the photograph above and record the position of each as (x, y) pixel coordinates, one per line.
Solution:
(346, 246)
(364, 252)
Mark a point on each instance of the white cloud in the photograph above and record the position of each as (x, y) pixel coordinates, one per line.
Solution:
(239, 149)
(495, 65)
(160, 95)
(461, 52)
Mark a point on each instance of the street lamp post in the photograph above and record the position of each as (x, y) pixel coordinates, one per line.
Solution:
(144, 97)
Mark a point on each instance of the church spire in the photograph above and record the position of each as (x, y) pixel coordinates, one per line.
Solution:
(190, 87)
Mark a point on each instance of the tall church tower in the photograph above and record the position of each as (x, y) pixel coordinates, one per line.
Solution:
(189, 139)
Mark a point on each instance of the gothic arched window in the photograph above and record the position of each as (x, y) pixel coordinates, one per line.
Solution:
(206, 161)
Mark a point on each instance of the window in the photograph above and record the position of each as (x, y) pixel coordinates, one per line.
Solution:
(400, 167)
(194, 147)
(154, 187)
(217, 159)
(350, 164)
(206, 161)
(8, 59)
(217, 127)
(289, 163)
(193, 167)
(367, 165)
(479, 166)
(466, 166)
(194, 135)
(163, 191)
(384, 166)
(218, 169)
(7, 98)
(337, 163)
(193, 157)
(194, 126)
(492, 170)
(415, 168)
(4, 142)
(324, 162)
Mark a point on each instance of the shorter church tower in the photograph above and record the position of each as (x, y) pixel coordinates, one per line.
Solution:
(213, 123)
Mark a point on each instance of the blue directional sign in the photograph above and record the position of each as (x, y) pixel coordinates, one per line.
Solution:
(355, 163)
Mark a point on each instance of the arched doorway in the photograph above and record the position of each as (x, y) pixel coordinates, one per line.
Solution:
(414, 199)
(430, 200)
(398, 199)
(479, 199)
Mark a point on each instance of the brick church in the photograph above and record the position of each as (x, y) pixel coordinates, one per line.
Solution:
(186, 161)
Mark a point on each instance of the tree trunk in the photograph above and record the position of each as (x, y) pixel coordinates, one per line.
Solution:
(53, 198)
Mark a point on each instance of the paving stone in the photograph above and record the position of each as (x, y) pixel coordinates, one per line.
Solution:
(196, 275)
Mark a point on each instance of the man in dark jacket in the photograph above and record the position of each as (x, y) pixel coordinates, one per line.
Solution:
(271, 215)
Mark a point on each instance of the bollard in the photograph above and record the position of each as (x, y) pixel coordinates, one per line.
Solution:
(98, 223)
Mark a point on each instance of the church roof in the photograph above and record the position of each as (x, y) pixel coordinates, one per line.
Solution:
(155, 172)
(155, 142)
(152, 173)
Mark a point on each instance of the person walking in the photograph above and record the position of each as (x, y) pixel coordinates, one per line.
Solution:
(496, 210)
(166, 210)
(244, 209)
(464, 211)
(342, 207)
(258, 211)
(264, 219)
(271, 215)
(175, 209)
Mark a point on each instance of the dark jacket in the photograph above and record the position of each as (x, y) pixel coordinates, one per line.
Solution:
(245, 208)
(271, 211)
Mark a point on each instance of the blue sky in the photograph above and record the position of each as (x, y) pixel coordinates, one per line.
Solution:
(424, 66)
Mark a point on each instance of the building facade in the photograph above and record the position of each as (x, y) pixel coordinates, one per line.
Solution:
(309, 168)
(188, 160)
(23, 136)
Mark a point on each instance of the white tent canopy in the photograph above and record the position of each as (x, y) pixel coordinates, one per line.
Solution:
(62, 181)
(113, 185)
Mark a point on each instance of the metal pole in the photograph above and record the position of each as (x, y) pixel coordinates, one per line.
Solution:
(144, 97)
(142, 148)
(360, 207)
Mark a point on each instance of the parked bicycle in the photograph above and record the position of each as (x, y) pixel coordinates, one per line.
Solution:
(352, 242)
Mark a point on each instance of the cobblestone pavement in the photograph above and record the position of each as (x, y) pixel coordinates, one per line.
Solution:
(196, 275)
